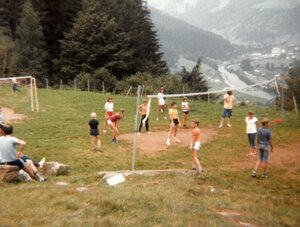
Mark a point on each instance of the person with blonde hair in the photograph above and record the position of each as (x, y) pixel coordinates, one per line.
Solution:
(229, 102)
(94, 131)
(175, 121)
(113, 122)
(195, 144)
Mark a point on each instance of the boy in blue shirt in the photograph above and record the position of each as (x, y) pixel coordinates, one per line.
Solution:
(264, 141)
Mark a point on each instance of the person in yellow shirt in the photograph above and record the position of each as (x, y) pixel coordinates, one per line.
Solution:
(229, 102)
(175, 121)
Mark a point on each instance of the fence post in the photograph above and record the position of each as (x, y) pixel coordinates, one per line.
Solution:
(295, 104)
(75, 84)
(208, 96)
(282, 102)
(103, 87)
(128, 91)
(60, 84)
(46, 83)
(88, 85)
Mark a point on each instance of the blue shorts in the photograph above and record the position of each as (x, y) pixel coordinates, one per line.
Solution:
(251, 138)
(19, 162)
(264, 151)
(227, 112)
(94, 132)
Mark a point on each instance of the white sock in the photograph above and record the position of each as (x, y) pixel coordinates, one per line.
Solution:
(25, 175)
(38, 177)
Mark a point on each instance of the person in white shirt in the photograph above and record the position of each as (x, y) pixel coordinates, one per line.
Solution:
(161, 103)
(109, 112)
(252, 125)
(185, 110)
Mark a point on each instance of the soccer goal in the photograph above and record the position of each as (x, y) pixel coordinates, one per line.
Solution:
(23, 82)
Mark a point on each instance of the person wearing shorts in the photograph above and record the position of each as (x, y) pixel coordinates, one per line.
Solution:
(94, 132)
(143, 111)
(109, 112)
(264, 140)
(161, 103)
(9, 155)
(229, 102)
(195, 144)
(175, 121)
(113, 122)
(185, 111)
(251, 128)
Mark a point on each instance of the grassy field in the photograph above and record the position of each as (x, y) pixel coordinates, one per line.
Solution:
(60, 133)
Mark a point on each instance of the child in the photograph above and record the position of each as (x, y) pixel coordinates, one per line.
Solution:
(15, 86)
(94, 131)
(1, 118)
(195, 144)
(175, 121)
(143, 111)
(165, 92)
(109, 111)
(251, 126)
(161, 103)
(185, 110)
(113, 122)
(229, 102)
(264, 140)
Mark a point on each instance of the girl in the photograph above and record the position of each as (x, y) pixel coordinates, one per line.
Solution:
(113, 122)
(251, 126)
(175, 121)
(94, 131)
(229, 102)
(161, 103)
(109, 111)
(185, 110)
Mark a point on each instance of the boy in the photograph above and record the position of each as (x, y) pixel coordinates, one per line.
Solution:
(251, 127)
(143, 111)
(264, 140)
(165, 92)
(109, 111)
(113, 122)
(175, 121)
(94, 131)
(229, 102)
(185, 110)
(195, 144)
(15, 85)
(161, 103)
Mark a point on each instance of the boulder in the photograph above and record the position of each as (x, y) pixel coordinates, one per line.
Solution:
(8, 173)
(54, 168)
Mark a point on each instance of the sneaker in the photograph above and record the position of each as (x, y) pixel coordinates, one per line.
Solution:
(229, 125)
(201, 171)
(157, 119)
(117, 141)
(149, 133)
(44, 180)
(254, 174)
(99, 148)
(139, 133)
(42, 163)
(264, 175)
(221, 126)
(177, 141)
(113, 141)
(104, 131)
(193, 168)
(93, 149)
(168, 142)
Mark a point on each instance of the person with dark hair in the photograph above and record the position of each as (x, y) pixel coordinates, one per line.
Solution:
(229, 102)
(165, 92)
(9, 155)
(161, 104)
(143, 111)
(185, 110)
(252, 125)
(109, 112)
(264, 141)
(175, 121)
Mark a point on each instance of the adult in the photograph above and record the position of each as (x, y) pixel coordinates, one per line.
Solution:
(229, 102)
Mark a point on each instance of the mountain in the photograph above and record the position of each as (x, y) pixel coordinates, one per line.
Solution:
(240, 21)
(182, 40)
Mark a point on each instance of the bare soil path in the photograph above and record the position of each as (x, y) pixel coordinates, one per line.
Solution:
(10, 115)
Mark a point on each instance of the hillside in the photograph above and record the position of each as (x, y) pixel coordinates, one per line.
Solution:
(180, 39)
(255, 21)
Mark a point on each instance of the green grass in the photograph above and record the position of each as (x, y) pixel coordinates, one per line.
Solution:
(60, 133)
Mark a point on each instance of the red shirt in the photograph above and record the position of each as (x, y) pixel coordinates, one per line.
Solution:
(114, 118)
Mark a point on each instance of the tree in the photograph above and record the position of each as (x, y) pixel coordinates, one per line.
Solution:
(29, 52)
(293, 85)
(246, 65)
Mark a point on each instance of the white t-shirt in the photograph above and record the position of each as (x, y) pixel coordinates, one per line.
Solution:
(8, 151)
(161, 100)
(109, 107)
(251, 125)
(185, 105)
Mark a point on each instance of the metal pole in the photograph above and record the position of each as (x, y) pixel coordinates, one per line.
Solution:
(46, 83)
(275, 103)
(31, 94)
(208, 99)
(142, 90)
(103, 87)
(129, 90)
(295, 104)
(60, 84)
(75, 84)
(282, 102)
(136, 125)
(88, 85)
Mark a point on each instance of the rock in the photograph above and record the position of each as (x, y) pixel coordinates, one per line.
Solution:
(246, 224)
(81, 189)
(227, 214)
(8, 173)
(54, 168)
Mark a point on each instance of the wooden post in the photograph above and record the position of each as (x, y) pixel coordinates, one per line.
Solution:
(208, 96)
(88, 85)
(282, 103)
(46, 83)
(60, 84)
(75, 84)
(295, 104)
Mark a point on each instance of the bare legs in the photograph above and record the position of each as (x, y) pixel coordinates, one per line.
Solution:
(115, 130)
(158, 111)
(222, 122)
(185, 116)
(105, 123)
(98, 141)
(30, 169)
(196, 161)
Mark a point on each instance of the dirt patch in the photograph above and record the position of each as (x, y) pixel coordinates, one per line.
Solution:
(150, 144)
(9, 115)
(233, 217)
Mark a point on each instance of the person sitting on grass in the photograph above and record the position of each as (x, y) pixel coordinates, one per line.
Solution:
(229, 102)
(143, 111)
(9, 155)
(94, 131)
(109, 111)
(113, 122)
(251, 127)
(264, 141)
(195, 144)
(175, 121)
(185, 110)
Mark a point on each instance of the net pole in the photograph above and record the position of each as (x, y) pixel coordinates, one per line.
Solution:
(36, 97)
(136, 126)
(282, 102)
(31, 94)
(295, 104)
(46, 83)
(74, 84)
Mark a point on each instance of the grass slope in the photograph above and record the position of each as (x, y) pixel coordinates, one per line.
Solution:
(60, 133)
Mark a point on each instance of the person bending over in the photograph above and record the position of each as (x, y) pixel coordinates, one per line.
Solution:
(113, 122)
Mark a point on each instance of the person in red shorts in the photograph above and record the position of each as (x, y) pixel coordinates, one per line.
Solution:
(109, 112)
(113, 122)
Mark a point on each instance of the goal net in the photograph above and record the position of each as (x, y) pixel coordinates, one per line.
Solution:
(25, 85)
